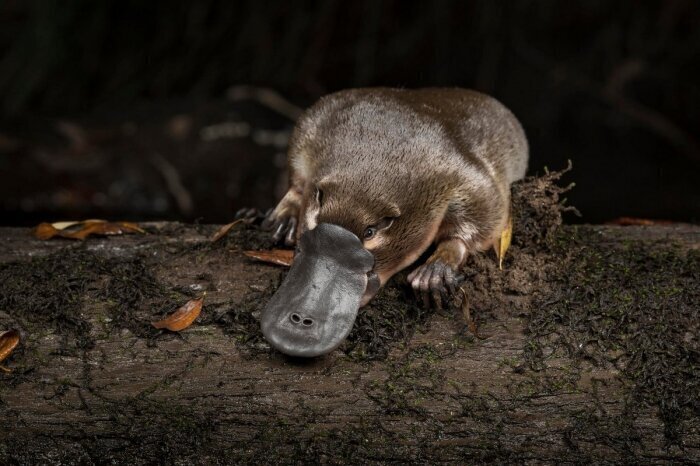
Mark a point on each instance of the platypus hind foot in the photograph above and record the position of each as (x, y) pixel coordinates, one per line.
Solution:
(501, 245)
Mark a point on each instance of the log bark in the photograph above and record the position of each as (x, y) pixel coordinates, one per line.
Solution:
(93, 383)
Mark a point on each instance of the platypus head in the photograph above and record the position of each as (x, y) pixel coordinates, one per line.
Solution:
(350, 245)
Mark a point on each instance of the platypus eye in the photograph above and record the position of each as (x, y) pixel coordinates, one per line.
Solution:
(372, 230)
(319, 196)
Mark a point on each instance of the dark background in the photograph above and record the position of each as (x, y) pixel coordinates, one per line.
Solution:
(124, 109)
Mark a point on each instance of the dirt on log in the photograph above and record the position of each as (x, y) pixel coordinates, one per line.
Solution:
(585, 347)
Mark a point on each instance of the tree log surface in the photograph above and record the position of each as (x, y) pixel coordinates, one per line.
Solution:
(204, 395)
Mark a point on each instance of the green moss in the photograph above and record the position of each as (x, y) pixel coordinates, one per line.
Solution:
(633, 308)
(411, 381)
(49, 291)
(54, 294)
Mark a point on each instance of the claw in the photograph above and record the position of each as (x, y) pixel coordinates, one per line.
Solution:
(290, 239)
(412, 279)
(281, 229)
(450, 280)
(435, 283)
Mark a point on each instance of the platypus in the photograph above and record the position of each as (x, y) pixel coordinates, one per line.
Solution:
(377, 176)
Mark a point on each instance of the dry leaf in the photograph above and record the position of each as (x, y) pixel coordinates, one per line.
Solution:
(274, 256)
(8, 341)
(103, 229)
(183, 317)
(45, 231)
(223, 231)
(84, 229)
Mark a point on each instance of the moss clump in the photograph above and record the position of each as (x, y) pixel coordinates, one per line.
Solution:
(537, 209)
(49, 292)
(55, 292)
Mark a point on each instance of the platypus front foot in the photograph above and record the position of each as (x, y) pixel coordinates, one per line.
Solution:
(433, 280)
(283, 227)
(282, 221)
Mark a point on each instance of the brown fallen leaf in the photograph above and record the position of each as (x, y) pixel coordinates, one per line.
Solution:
(8, 341)
(82, 229)
(103, 229)
(223, 231)
(45, 231)
(182, 317)
(274, 256)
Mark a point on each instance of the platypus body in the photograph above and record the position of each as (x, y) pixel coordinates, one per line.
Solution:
(399, 170)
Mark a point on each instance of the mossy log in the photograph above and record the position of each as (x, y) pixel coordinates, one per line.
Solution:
(585, 349)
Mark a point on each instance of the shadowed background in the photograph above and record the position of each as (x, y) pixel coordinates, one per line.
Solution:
(135, 110)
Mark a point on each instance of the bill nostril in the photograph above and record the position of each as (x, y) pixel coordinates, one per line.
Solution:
(298, 319)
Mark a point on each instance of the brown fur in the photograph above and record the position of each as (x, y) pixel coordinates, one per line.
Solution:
(439, 160)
